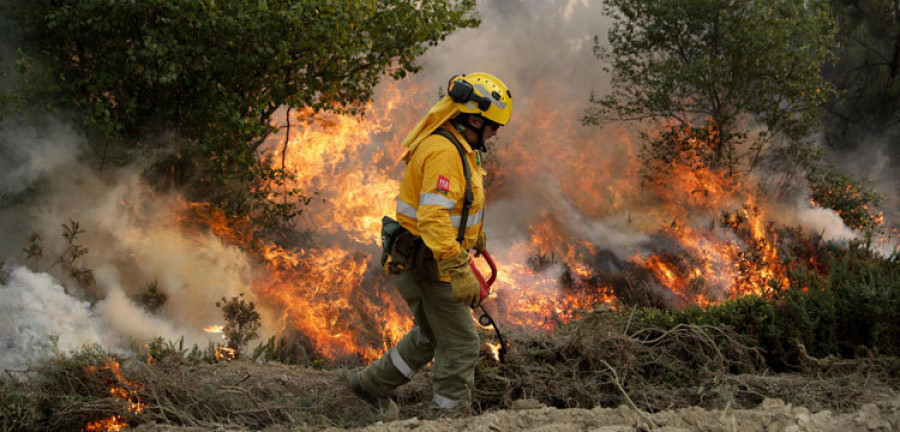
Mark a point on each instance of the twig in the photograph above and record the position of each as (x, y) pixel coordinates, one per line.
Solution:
(242, 380)
(624, 393)
(161, 411)
(628, 323)
(725, 411)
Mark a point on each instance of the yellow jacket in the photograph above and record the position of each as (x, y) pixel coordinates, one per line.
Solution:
(432, 191)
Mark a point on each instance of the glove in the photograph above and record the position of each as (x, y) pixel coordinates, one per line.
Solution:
(386, 264)
(480, 244)
(465, 287)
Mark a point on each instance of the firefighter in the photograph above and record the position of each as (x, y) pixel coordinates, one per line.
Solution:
(427, 260)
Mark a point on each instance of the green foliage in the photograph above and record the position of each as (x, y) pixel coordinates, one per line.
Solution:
(214, 72)
(69, 259)
(282, 350)
(64, 382)
(161, 351)
(242, 322)
(735, 65)
(866, 293)
(152, 298)
(34, 248)
(11, 99)
(70, 256)
(856, 201)
(851, 310)
(17, 410)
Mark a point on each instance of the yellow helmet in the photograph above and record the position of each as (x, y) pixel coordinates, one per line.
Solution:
(481, 93)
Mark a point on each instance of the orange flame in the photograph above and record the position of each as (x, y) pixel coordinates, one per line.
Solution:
(333, 294)
(121, 389)
(223, 353)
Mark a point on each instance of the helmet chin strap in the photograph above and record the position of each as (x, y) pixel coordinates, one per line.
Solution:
(480, 145)
(461, 128)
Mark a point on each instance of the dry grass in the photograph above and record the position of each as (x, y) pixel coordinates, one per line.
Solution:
(599, 361)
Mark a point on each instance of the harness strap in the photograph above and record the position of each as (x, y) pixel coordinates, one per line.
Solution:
(469, 197)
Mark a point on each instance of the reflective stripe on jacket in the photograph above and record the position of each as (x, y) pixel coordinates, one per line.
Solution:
(432, 191)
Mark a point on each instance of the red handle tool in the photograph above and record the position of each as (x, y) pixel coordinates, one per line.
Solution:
(485, 319)
(485, 284)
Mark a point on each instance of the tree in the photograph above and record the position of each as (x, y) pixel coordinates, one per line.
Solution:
(214, 72)
(242, 322)
(866, 75)
(733, 66)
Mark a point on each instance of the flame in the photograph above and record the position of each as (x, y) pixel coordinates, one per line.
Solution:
(331, 290)
(714, 263)
(112, 423)
(121, 389)
(223, 353)
(494, 350)
(214, 329)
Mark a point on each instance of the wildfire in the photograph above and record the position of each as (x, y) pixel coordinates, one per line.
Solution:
(121, 389)
(330, 289)
(530, 296)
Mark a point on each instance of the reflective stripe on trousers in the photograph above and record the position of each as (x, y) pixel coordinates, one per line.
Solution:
(401, 365)
(444, 402)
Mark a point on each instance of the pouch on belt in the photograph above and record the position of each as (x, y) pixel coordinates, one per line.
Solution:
(406, 250)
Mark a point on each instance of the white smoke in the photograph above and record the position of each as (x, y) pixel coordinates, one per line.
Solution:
(820, 220)
(35, 310)
(132, 238)
(541, 48)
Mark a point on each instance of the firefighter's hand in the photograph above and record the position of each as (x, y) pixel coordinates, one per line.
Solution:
(465, 287)
(480, 244)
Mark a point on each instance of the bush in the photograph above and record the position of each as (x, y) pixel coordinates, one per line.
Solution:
(241, 322)
(853, 311)
(855, 201)
(152, 298)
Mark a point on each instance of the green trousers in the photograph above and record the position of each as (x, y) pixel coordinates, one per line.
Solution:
(444, 330)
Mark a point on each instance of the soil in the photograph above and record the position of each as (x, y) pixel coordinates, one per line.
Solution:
(771, 415)
(311, 399)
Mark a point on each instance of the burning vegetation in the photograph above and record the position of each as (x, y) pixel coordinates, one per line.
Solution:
(651, 269)
(705, 235)
(701, 242)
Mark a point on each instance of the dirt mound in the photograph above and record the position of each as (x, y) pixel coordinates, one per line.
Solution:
(771, 415)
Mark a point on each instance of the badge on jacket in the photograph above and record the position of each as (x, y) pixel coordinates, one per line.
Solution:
(443, 184)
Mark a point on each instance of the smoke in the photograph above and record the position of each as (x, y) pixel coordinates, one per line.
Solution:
(133, 240)
(876, 158)
(544, 165)
(35, 310)
(823, 221)
(578, 175)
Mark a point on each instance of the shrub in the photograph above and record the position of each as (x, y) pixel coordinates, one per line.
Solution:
(152, 298)
(851, 311)
(242, 322)
(855, 201)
